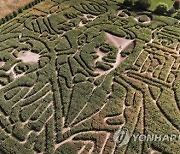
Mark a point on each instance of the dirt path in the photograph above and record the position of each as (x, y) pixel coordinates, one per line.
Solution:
(70, 139)
(87, 17)
(101, 55)
(154, 152)
(125, 15)
(2, 64)
(81, 24)
(146, 22)
(15, 76)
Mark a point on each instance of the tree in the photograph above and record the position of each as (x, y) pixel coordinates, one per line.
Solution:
(143, 4)
(177, 4)
(178, 15)
(3, 21)
(128, 2)
(20, 10)
(14, 13)
(36, 2)
(26, 7)
(7, 17)
(161, 8)
(30, 5)
(172, 10)
(11, 16)
(33, 3)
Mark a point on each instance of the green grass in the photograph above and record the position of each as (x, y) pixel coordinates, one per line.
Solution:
(154, 3)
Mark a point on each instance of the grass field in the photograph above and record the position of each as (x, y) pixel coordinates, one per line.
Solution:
(154, 3)
(86, 77)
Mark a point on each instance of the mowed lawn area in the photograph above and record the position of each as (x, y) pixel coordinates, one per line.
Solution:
(154, 3)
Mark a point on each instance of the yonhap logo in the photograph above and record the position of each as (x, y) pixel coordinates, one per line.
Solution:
(121, 137)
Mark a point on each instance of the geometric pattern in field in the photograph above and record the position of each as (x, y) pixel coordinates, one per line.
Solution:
(64, 100)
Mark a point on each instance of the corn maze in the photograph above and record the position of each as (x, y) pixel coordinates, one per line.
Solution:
(74, 72)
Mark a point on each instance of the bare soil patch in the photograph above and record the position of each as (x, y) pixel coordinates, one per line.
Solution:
(119, 42)
(28, 57)
(8, 6)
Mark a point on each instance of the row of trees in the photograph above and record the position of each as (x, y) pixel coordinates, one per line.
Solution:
(15, 13)
(142, 4)
(161, 8)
